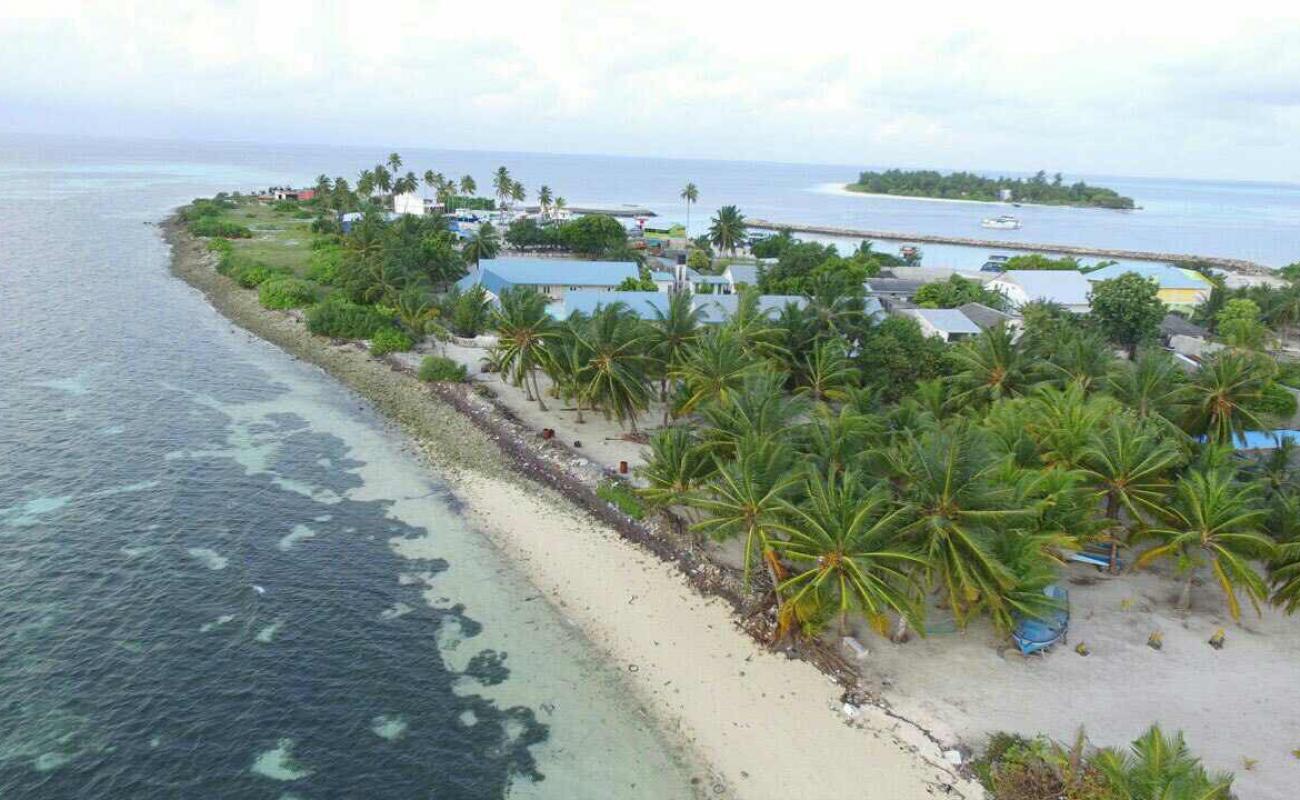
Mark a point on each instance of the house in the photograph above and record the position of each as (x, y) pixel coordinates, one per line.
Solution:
(1179, 288)
(947, 324)
(714, 309)
(664, 235)
(739, 276)
(888, 289)
(1186, 338)
(554, 277)
(289, 193)
(414, 204)
(986, 317)
(1066, 288)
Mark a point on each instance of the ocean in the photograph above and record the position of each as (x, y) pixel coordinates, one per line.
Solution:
(222, 575)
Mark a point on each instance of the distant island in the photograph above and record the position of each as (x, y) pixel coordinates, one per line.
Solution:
(1039, 190)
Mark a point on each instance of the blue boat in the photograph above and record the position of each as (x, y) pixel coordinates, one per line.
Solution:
(1034, 635)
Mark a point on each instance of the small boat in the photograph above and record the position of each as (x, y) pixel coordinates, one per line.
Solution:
(995, 263)
(1033, 635)
(1006, 222)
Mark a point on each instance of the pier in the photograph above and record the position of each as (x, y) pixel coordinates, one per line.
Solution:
(1231, 264)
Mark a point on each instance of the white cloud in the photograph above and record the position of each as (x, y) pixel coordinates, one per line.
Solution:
(1101, 87)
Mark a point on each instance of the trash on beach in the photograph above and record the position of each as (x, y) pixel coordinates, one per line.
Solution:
(1156, 640)
(1216, 641)
(953, 757)
(548, 433)
(851, 711)
(856, 648)
(577, 443)
(1082, 649)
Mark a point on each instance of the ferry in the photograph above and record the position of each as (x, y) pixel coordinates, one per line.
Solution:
(1006, 222)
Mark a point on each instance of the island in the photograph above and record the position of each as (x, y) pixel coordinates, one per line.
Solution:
(1038, 190)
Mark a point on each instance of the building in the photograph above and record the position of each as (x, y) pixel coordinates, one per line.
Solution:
(714, 309)
(893, 289)
(554, 277)
(948, 324)
(1065, 288)
(413, 203)
(986, 317)
(664, 235)
(1179, 288)
(288, 193)
(739, 276)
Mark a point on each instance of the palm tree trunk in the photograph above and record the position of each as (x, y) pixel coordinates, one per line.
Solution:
(1185, 599)
(901, 631)
(1112, 513)
(537, 390)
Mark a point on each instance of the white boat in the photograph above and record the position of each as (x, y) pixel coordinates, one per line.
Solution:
(1006, 222)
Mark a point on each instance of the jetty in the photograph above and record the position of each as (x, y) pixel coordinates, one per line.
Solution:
(608, 211)
(1230, 264)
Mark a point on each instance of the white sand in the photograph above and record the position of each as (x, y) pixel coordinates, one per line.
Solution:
(1237, 703)
(838, 189)
(768, 725)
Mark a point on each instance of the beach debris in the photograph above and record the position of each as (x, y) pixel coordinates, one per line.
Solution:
(857, 649)
(1248, 763)
(548, 433)
(1126, 604)
(1156, 640)
(633, 668)
(1216, 641)
(953, 757)
(577, 443)
(851, 711)
(1296, 752)
(1082, 649)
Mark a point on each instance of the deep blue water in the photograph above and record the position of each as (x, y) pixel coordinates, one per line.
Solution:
(221, 575)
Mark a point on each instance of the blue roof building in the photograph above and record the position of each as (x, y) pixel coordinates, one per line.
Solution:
(551, 276)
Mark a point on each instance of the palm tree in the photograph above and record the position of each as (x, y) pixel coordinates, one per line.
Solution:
(1154, 387)
(826, 373)
(1213, 519)
(517, 193)
(848, 538)
(485, 244)
(691, 194)
(727, 232)
(744, 498)
(669, 336)
(839, 440)
(544, 198)
(1160, 767)
(714, 369)
(431, 178)
(1063, 422)
(1222, 391)
(1284, 570)
(761, 409)
(322, 185)
(990, 366)
(394, 162)
(502, 183)
(1078, 357)
(946, 482)
(1127, 466)
(524, 329)
(560, 204)
(383, 179)
(467, 185)
(365, 183)
(674, 466)
(614, 378)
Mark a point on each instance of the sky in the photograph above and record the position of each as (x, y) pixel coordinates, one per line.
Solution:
(1094, 88)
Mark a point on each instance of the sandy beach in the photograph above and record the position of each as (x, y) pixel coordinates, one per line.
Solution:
(766, 725)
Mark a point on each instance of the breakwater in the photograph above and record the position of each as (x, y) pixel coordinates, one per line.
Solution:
(1231, 264)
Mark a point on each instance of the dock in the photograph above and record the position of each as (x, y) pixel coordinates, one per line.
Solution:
(608, 211)
(1230, 264)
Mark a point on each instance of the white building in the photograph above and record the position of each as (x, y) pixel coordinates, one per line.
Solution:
(412, 203)
(1066, 288)
(947, 324)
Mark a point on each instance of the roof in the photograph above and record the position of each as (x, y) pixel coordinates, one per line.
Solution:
(720, 307)
(1168, 277)
(744, 273)
(984, 316)
(715, 280)
(894, 286)
(948, 320)
(588, 301)
(1174, 325)
(1067, 287)
(663, 225)
(662, 276)
(554, 272)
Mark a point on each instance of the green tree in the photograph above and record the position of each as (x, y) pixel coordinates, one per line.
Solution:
(989, 367)
(614, 378)
(847, 543)
(502, 184)
(691, 194)
(1154, 387)
(826, 373)
(1128, 310)
(484, 244)
(1222, 393)
(544, 198)
(670, 335)
(1239, 323)
(1159, 767)
(524, 329)
(594, 234)
(728, 229)
(713, 369)
(675, 465)
(1213, 520)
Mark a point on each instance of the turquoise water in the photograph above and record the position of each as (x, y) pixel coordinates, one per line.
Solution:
(222, 576)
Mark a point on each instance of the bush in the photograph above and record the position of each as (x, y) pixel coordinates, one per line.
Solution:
(1288, 373)
(1275, 400)
(345, 320)
(323, 263)
(286, 293)
(251, 275)
(621, 495)
(440, 368)
(221, 246)
(212, 226)
(390, 340)
(285, 206)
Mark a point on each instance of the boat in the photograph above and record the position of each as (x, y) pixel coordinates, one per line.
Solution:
(1034, 635)
(996, 263)
(1006, 222)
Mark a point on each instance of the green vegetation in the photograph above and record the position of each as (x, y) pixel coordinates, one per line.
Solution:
(1154, 767)
(286, 292)
(1128, 310)
(622, 497)
(390, 340)
(340, 319)
(969, 186)
(440, 368)
(958, 291)
(1041, 262)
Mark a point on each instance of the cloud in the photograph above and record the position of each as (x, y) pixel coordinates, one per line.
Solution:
(1110, 87)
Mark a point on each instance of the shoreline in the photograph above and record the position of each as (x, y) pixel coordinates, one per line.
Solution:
(844, 190)
(669, 616)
